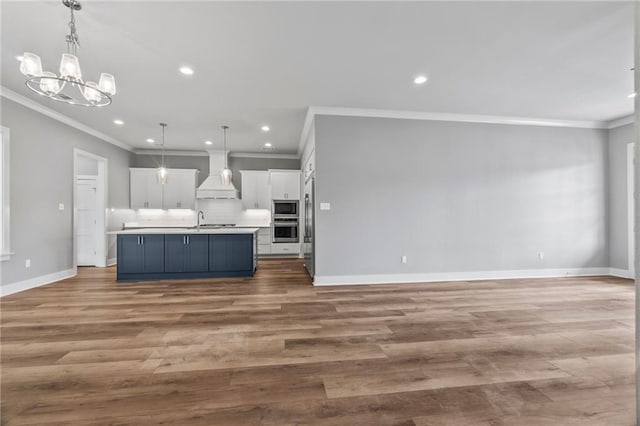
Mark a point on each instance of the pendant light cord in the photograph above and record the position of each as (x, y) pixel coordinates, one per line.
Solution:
(224, 128)
(163, 127)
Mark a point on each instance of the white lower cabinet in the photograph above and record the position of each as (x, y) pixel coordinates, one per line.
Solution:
(264, 241)
(285, 248)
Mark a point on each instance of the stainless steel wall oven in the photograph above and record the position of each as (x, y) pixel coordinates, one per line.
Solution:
(284, 221)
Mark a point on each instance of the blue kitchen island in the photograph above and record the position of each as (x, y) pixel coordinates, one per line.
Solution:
(179, 253)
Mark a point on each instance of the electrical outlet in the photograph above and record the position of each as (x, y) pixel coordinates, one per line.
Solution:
(325, 206)
(403, 259)
(27, 263)
(60, 206)
(540, 255)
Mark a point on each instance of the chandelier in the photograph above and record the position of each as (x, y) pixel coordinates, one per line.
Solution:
(69, 87)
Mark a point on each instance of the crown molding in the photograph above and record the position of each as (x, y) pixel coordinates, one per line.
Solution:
(264, 155)
(623, 121)
(463, 118)
(181, 153)
(35, 106)
(186, 153)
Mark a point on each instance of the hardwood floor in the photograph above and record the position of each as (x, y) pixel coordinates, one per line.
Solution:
(275, 350)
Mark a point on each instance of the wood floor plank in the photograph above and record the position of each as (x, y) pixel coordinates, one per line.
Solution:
(274, 350)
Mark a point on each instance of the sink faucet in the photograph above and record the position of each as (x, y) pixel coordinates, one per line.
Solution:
(200, 215)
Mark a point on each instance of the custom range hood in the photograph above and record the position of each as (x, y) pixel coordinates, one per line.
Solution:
(213, 187)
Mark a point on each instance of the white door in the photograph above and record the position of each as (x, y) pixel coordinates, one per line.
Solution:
(87, 221)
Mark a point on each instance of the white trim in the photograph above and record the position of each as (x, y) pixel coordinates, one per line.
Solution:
(630, 210)
(264, 155)
(456, 276)
(184, 153)
(620, 122)
(112, 261)
(24, 101)
(36, 282)
(177, 152)
(465, 118)
(308, 121)
(621, 273)
(5, 209)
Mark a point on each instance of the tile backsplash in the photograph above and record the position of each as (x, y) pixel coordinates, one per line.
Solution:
(215, 212)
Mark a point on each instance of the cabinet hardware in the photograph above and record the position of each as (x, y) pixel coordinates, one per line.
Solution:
(142, 239)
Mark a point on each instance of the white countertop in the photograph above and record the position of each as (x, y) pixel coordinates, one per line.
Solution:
(231, 230)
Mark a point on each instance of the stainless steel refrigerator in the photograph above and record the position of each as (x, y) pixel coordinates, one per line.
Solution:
(309, 248)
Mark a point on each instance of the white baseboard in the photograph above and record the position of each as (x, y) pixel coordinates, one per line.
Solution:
(8, 289)
(456, 276)
(112, 261)
(621, 273)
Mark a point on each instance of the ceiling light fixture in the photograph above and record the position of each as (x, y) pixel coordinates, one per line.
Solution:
(225, 174)
(186, 70)
(265, 128)
(48, 84)
(150, 140)
(421, 79)
(268, 145)
(118, 122)
(162, 170)
(633, 95)
(208, 143)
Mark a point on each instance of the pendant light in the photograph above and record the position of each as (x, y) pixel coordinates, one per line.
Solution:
(225, 174)
(162, 170)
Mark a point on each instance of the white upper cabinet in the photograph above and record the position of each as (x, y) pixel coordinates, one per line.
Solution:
(180, 189)
(285, 184)
(179, 192)
(146, 191)
(255, 189)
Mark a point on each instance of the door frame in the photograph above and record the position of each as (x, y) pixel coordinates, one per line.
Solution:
(101, 201)
(630, 212)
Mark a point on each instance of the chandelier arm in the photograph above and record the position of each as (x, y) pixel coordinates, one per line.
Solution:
(34, 83)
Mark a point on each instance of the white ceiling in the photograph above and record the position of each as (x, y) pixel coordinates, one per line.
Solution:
(266, 62)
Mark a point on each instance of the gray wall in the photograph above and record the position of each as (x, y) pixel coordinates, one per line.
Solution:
(202, 163)
(458, 197)
(41, 175)
(619, 138)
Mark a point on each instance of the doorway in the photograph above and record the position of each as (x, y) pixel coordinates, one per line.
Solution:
(89, 209)
(630, 212)
(87, 228)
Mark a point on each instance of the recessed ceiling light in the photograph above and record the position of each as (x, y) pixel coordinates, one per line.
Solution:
(150, 140)
(118, 122)
(268, 145)
(208, 143)
(265, 128)
(633, 95)
(420, 79)
(186, 70)
(20, 58)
